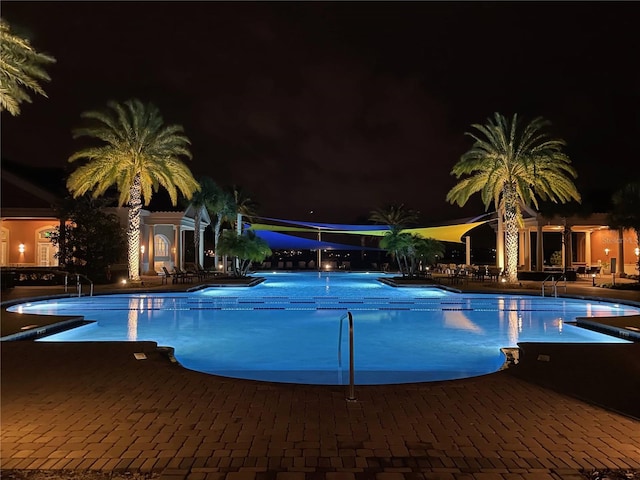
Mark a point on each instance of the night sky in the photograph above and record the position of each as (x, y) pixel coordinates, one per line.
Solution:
(339, 108)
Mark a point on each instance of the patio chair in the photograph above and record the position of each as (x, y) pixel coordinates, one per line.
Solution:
(164, 276)
(175, 277)
(186, 275)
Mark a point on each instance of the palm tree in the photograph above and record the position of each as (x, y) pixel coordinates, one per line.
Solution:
(244, 206)
(203, 198)
(398, 218)
(397, 244)
(247, 248)
(511, 166)
(394, 216)
(138, 154)
(426, 250)
(21, 69)
(223, 204)
(626, 210)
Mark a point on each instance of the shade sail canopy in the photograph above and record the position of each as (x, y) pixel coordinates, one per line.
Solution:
(282, 241)
(445, 233)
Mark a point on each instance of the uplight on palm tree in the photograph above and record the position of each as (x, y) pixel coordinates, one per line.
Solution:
(510, 165)
(21, 70)
(137, 153)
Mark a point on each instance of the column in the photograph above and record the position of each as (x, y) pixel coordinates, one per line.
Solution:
(522, 248)
(201, 252)
(587, 248)
(468, 250)
(539, 249)
(500, 243)
(620, 266)
(176, 242)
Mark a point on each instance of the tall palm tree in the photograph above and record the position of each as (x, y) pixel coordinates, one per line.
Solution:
(203, 198)
(512, 165)
(21, 69)
(138, 154)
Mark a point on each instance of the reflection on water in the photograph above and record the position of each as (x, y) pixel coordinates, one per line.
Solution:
(457, 319)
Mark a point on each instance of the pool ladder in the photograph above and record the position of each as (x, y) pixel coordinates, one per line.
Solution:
(78, 283)
(351, 395)
(554, 284)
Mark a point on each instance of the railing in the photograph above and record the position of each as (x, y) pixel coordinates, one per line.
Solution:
(554, 284)
(78, 283)
(351, 396)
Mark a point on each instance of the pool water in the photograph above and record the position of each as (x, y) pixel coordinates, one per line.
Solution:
(287, 328)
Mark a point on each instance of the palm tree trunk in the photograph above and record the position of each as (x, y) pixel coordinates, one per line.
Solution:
(511, 233)
(196, 236)
(395, 254)
(216, 237)
(133, 229)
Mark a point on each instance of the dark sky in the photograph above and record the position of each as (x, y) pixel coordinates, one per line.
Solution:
(340, 107)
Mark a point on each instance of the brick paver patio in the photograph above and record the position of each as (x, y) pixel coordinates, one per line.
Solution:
(95, 407)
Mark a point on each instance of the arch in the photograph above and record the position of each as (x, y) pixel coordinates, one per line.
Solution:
(4, 246)
(45, 249)
(161, 246)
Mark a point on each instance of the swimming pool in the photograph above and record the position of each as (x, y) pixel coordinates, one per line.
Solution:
(286, 329)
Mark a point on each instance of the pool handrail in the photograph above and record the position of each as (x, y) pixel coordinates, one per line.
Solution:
(351, 396)
(554, 284)
(78, 283)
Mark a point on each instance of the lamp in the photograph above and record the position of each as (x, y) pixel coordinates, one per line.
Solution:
(21, 248)
(637, 252)
(606, 251)
(142, 249)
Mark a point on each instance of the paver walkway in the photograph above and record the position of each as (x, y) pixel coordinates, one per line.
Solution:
(95, 407)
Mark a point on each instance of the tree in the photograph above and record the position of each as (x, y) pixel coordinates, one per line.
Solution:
(427, 250)
(247, 248)
(394, 216)
(626, 210)
(398, 218)
(138, 154)
(244, 206)
(21, 70)
(396, 243)
(512, 165)
(92, 241)
(223, 204)
(203, 198)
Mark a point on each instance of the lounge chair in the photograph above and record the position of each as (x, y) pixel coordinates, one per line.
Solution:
(175, 276)
(185, 275)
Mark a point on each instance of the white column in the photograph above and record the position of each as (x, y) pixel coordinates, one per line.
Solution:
(500, 243)
(468, 250)
(176, 243)
(201, 252)
(587, 249)
(539, 249)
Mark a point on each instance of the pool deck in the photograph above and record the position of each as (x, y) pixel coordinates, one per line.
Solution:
(94, 407)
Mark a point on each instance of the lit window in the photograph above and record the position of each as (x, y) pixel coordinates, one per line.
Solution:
(161, 246)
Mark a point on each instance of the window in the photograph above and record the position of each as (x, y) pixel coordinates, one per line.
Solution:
(161, 246)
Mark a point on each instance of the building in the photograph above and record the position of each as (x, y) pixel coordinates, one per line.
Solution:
(28, 217)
